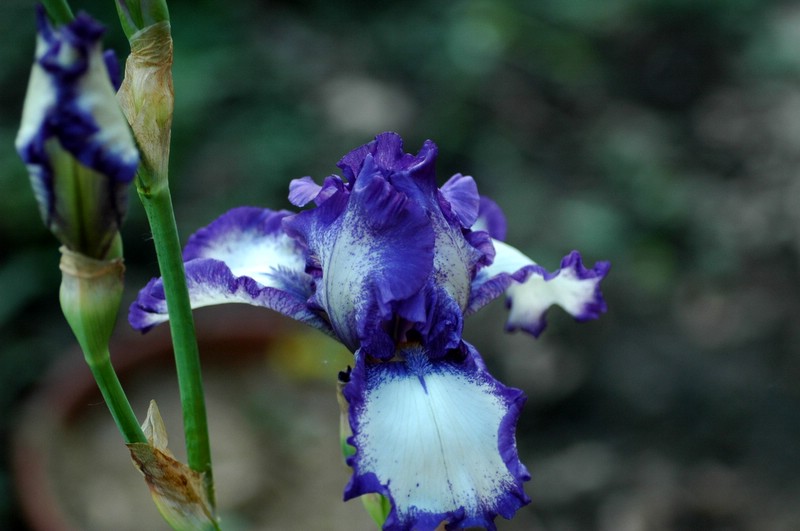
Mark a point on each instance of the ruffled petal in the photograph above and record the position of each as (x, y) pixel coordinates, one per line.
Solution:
(455, 261)
(390, 157)
(462, 200)
(392, 253)
(374, 250)
(437, 438)
(250, 241)
(302, 191)
(531, 289)
(244, 256)
(450, 211)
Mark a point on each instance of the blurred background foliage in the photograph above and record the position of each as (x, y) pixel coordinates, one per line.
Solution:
(662, 135)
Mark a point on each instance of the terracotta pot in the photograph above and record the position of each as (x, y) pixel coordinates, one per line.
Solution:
(273, 423)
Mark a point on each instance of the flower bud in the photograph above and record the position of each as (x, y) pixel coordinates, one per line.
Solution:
(146, 98)
(74, 139)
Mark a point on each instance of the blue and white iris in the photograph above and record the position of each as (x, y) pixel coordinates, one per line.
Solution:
(389, 264)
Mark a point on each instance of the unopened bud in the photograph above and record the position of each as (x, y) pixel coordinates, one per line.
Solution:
(73, 138)
(146, 97)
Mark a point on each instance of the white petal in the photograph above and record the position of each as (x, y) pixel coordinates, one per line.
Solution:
(40, 97)
(251, 243)
(531, 289)
(438, 435)
(97, 98)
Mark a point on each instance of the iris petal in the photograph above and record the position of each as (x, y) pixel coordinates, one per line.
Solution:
(244, 256)
(391, 252)
(302, 191)
(389, 155)
(374, 248)
(461, 194)
(437, 438)
(531, 289)
(490, 219)
(455, 260)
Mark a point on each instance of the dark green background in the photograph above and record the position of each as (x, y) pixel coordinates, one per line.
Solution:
(663, 136)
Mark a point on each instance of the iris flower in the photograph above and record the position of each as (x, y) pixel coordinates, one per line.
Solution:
(74, 139)
(390, 265)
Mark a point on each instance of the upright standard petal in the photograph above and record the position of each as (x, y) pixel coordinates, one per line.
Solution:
(436, 438)
(461, 199)
(392, 254)
(459, 251)
(373, 249)
(304, 190)
(391, 159)
(244, 256)
(73, 138)
(531, 289)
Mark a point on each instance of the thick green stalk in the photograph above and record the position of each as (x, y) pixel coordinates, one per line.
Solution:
(107, 381)
(59, 11)
(158, 206)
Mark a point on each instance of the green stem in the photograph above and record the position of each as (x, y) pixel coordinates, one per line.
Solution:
(59, 11)
(107, 381)
(135, 15)
(158, 207)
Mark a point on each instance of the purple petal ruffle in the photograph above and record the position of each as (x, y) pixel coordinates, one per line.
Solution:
(391, 253)
(461, 200)
(373, 248)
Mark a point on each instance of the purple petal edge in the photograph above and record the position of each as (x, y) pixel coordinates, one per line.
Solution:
(261, 221)
(206, 275)
(593, 307)
(492, 288)
(367, 482)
